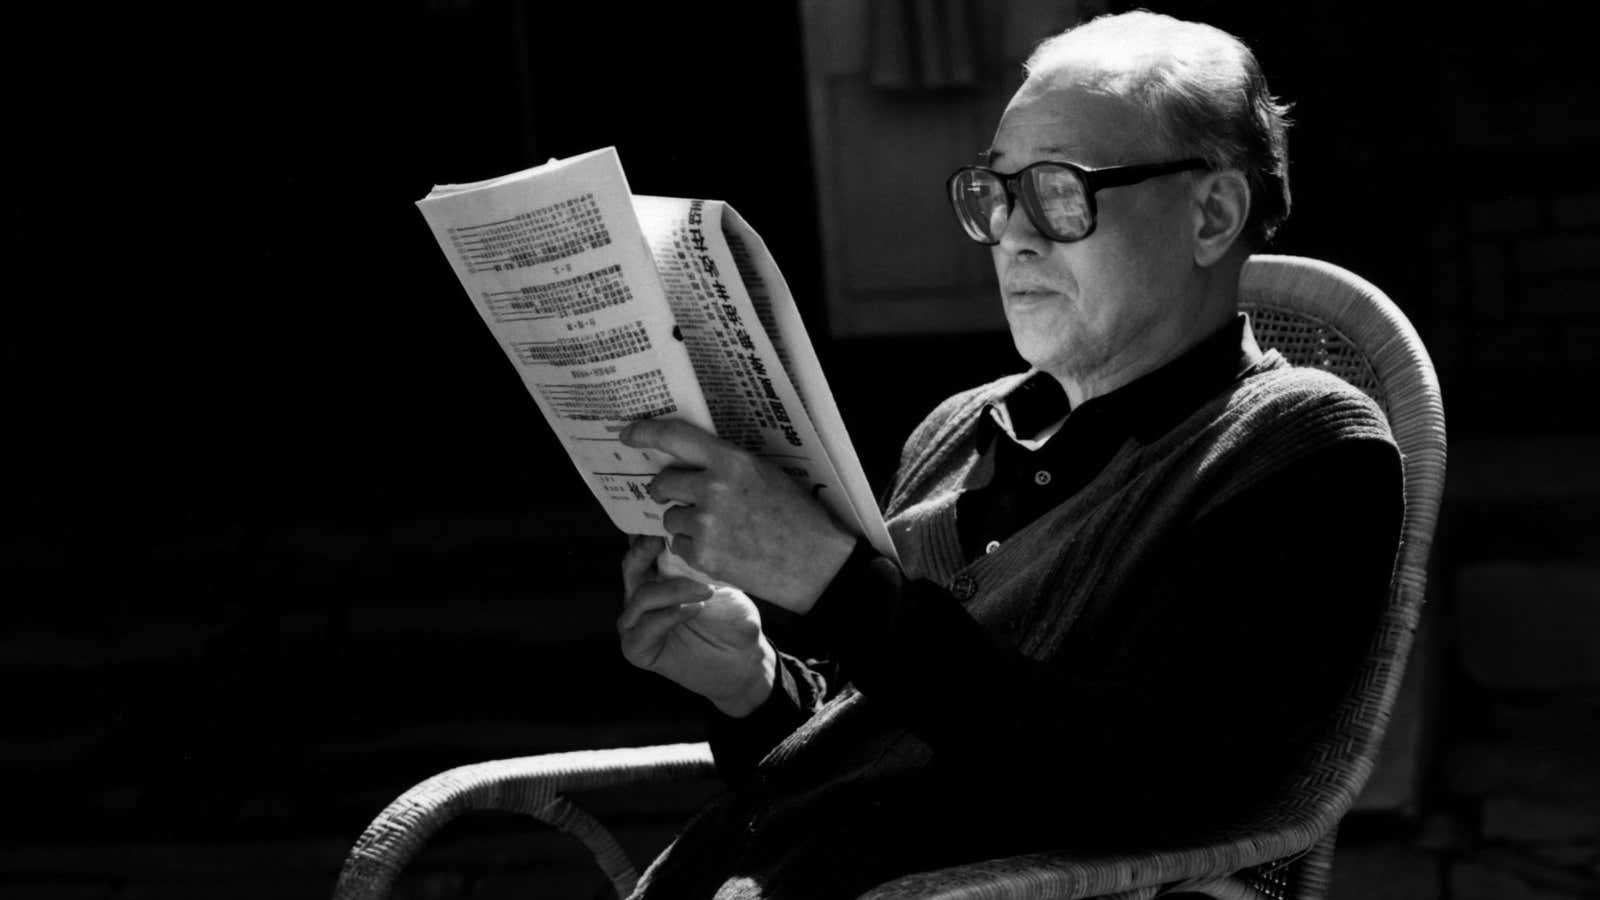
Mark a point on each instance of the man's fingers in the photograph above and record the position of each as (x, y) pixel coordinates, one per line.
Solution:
(660, 595)
(687, 551)
(684, 442)
(638, 564)
(679, 520)
(675, 484)
(642, 549)
(642, 642)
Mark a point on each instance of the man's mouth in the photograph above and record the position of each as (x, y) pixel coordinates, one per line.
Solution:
(1031, 292)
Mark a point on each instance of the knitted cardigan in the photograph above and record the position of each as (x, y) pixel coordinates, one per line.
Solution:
(1051, 577)
(1094, 545)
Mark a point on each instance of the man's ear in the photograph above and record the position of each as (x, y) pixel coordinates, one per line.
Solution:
(1222, 204)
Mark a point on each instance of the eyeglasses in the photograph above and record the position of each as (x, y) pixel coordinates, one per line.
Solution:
(1057, 196)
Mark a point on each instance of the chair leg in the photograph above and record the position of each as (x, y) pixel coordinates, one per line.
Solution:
(1314, 871)
(608, 854)
(1303, 878)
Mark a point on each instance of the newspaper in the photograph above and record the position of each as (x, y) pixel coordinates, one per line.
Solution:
(614, 307)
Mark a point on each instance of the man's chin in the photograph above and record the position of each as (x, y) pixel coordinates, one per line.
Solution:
(1054, 357)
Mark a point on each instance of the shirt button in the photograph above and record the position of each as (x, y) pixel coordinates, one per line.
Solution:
(964, 587)
(1041, 478)
(991, 547)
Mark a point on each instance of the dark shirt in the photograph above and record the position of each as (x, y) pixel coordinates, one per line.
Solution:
(1017, 485)
(1247, 636)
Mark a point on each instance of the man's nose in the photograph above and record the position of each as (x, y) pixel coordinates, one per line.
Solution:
(1020, 235)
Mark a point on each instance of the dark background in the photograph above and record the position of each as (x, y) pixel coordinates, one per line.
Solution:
(285, 533)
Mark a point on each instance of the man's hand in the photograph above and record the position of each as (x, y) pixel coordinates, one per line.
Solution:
(742, 520)
(708, 641)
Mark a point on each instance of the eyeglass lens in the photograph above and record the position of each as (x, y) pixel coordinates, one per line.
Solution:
(1053, 193)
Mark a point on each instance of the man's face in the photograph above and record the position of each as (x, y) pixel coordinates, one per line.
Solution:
(1092, 308)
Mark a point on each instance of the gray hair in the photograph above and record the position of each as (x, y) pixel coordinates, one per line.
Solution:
(1202, 90)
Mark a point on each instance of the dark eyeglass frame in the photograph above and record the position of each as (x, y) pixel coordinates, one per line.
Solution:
(1093, 180)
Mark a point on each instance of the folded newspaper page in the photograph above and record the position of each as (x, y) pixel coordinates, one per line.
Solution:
(613, 307)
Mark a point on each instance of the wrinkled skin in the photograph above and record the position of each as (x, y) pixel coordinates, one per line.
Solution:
(709, 641)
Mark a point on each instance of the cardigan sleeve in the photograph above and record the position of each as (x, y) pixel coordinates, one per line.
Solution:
(806, 678)
(800, 687)
(1211, 688)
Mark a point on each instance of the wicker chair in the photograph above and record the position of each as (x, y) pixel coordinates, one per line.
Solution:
(1316, 314)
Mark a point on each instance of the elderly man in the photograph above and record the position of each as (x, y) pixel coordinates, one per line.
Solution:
(1134, 579)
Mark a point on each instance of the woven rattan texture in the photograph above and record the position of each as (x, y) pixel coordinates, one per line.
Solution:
(531, 785)
(1307, 341)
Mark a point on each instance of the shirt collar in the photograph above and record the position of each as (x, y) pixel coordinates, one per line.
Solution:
(1033, 411)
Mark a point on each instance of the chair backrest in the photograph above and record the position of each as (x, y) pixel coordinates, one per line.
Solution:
(1318, 314)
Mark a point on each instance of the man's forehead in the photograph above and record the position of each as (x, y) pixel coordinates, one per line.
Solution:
(1070, 122)
(1072, 152)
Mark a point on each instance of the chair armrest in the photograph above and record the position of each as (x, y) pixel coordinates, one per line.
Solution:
(1204, 869)
(531, 785)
